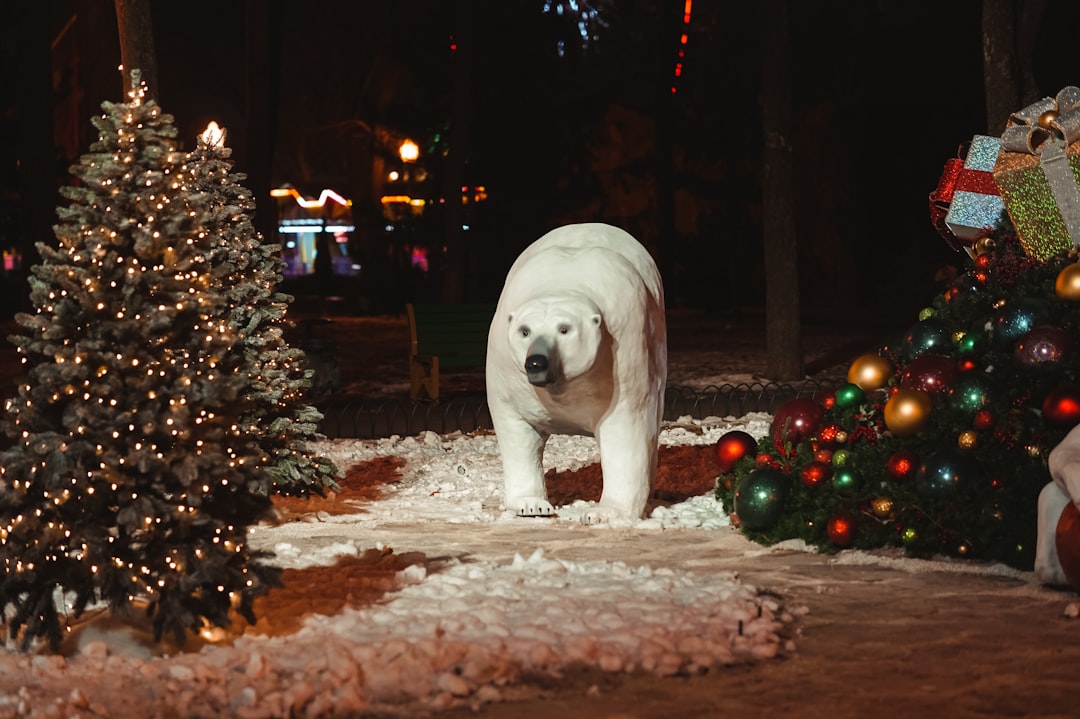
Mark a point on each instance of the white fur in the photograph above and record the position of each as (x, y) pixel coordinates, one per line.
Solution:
(587, 303)
(1064, 465)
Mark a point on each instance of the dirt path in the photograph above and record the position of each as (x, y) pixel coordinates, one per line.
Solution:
(874, 641)
(893, 638)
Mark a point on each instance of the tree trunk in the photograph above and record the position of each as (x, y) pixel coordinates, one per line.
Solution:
(453, 288)
(263, 79)
(783, 331)
(1001, 75)
(664, 159)
(1029, 19)
(137, 43)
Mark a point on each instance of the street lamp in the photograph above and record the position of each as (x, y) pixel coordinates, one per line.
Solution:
(409, 151)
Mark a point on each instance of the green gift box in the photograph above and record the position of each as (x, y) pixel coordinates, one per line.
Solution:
(1038, 173)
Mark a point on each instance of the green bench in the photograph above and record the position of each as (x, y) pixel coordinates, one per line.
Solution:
(444, 336)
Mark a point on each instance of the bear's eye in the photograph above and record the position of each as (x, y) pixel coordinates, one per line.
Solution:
(524, 331)
(564, 329)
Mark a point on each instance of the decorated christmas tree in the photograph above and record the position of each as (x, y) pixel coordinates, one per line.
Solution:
(248, 271)
(132, 480)
(938, 442)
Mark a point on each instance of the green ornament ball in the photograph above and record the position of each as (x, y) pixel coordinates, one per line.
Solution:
(845, 481)
(943, 473)
(970, 393)
(840, 456)
(972, 343)
(849, 395)
(930, 334)
(1017, 318)
(759, 498)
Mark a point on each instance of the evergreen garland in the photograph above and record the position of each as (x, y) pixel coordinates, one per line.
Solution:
(993, 359)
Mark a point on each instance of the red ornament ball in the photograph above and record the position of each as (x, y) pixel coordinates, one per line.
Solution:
(983, 420)
(932, 373)
(733, 446)
(903, 465)
(841, 530)
(966, 364)
(1061, 407)
(1067, 542)
(796, 420)
(827, 434)
(815, 473)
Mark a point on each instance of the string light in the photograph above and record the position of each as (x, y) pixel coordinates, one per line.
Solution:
(684, 37)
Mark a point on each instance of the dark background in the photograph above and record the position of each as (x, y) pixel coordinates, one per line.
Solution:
(561, 130)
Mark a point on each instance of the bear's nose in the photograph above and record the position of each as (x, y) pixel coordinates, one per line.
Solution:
(536, 364)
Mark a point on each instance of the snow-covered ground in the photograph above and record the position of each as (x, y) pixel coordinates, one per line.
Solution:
(509, 597)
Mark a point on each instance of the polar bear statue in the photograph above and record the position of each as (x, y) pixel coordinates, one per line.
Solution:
(1054, 500)
(578, 345)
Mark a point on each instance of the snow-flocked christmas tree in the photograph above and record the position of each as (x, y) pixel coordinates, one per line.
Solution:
(133, 479)
(249, 271)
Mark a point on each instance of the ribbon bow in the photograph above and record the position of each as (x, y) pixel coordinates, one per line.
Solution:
(1046, 128)
(1029, 129)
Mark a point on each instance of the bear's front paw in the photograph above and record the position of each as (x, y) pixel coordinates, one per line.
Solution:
(606, 515)
(530, 507)
(595, 517)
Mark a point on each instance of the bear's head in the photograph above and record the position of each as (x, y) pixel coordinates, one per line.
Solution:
(555, 339)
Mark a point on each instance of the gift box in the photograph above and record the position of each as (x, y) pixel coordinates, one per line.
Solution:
(1038, 174)
(941, 198)
(976, 208)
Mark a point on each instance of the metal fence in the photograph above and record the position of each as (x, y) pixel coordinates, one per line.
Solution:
(370, 418)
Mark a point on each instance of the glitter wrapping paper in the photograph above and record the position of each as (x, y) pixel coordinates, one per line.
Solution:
(941, 198)
(1038, 174)
(976, 208)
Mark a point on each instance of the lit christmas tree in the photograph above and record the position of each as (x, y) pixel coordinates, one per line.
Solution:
(937, 442)
(132, 479)
(249, 271)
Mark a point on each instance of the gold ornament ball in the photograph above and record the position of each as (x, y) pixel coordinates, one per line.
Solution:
(870, 372)
(1047, 118)
(1067, 285)
(967, 439)
(907, 411)
(882, 506)
(982, 245)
